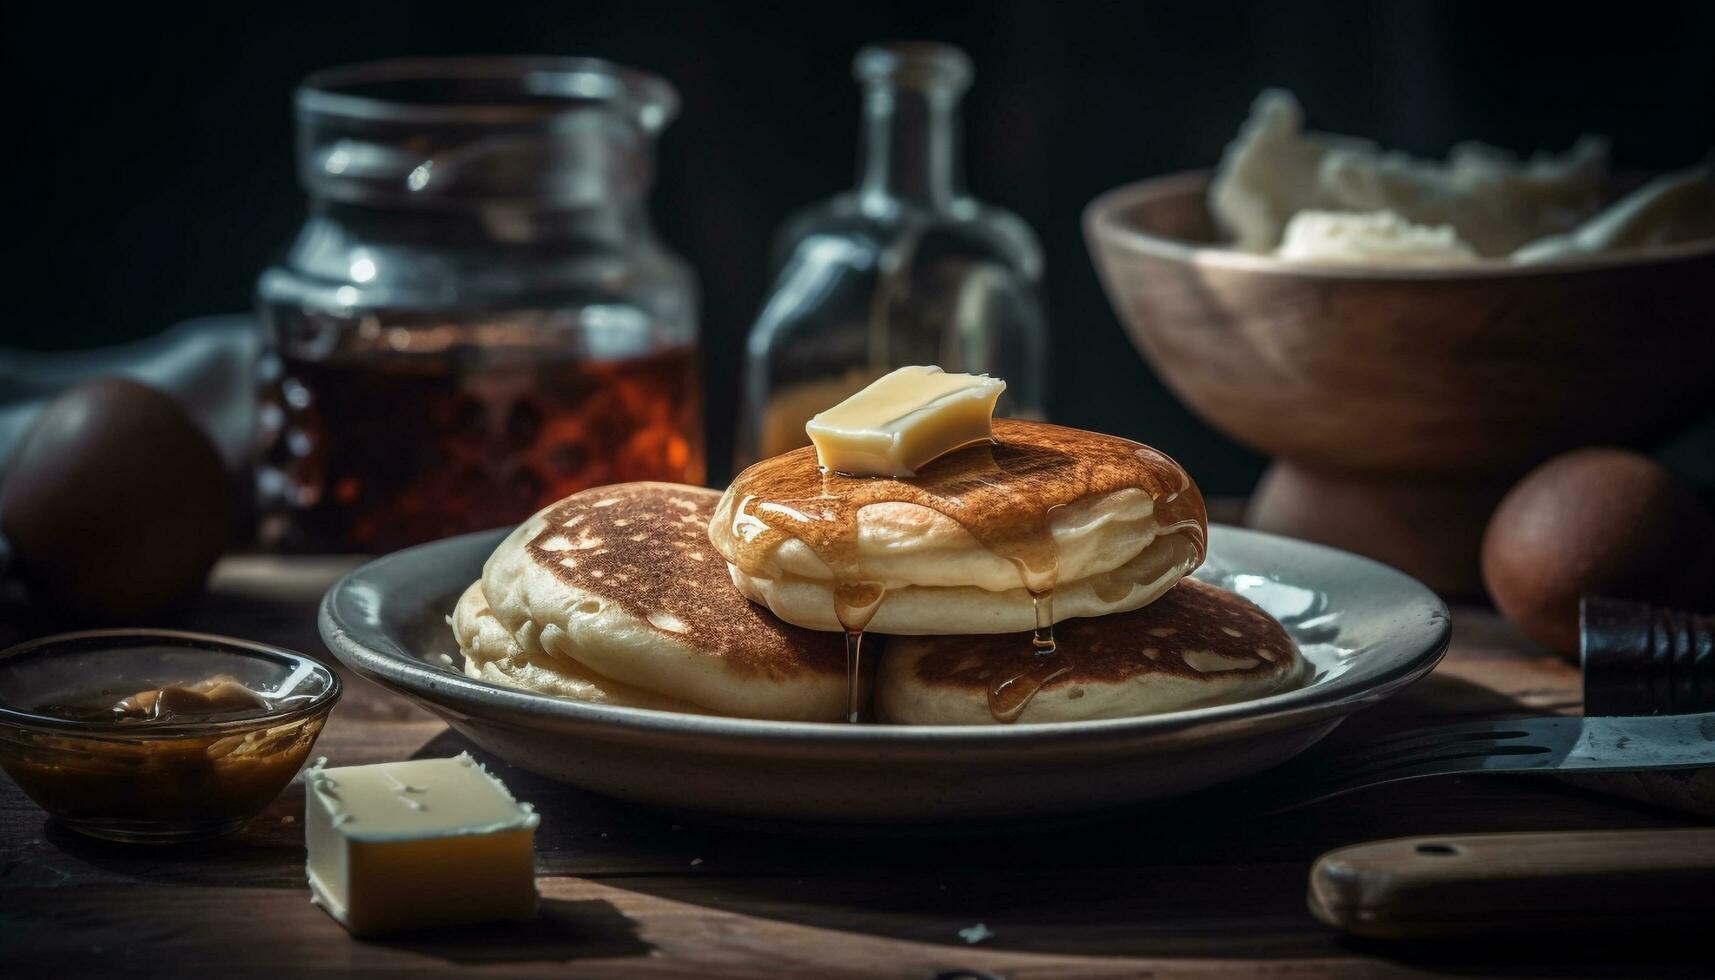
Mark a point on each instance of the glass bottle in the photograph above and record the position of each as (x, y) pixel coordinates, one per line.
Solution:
(905, 268)
(476, 317)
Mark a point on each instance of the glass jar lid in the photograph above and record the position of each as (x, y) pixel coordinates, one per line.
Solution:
(468, 132)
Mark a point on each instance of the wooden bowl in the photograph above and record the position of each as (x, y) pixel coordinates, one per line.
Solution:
(1400, 401)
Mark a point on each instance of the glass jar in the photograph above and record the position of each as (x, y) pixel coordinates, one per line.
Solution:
(476, 318)
(906, 268)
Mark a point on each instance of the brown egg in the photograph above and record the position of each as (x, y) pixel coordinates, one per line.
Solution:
(114, 504)
(1598, 521)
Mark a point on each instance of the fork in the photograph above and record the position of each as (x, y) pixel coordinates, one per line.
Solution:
(1508, 745)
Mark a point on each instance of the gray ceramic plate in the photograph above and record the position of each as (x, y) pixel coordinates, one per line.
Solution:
(1367, 630)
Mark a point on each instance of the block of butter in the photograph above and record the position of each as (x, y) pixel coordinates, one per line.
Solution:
(428, 842)
(903, 420)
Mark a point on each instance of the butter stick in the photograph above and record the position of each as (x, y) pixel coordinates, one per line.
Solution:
(408, 845)
(904, 420)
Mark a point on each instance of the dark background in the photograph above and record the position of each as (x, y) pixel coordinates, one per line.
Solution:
(150, 149)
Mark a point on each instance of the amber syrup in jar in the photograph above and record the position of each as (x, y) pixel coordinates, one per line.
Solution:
(417, 435)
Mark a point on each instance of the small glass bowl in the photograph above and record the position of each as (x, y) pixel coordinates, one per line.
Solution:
(161, 781)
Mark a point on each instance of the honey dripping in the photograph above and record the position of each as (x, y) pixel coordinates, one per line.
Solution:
(1002, 494)
(855, 605)
(1009, 698)
(1038, 564)
(1043, 637)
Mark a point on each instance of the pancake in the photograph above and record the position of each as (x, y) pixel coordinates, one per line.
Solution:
(613, 596)
(1197, 645)
(1096, 523)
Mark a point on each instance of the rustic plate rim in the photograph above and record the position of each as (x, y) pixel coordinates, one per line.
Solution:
(354, 644)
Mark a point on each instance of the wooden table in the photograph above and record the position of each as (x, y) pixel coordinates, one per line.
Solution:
(631, 892)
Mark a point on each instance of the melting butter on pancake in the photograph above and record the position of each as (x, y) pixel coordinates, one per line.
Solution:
(614, 596)
(1197, 645)
(1104, 524)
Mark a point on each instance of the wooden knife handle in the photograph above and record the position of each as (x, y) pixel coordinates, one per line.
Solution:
(1474, 883)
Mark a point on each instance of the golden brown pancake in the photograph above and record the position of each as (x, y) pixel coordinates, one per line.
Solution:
(613, 595)
(1098, 523)
(1197, 645)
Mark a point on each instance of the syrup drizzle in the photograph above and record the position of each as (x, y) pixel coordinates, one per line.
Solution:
(854, 669)
(1003, 494)
(855, 604)
(1008, 699)
(1009, 696)
(1043, 638)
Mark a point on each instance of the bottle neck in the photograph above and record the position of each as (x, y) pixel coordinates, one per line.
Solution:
(910, 151)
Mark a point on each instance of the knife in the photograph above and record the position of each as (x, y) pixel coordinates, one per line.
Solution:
(1466, 884)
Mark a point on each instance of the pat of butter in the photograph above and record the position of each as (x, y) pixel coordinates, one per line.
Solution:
(903, 420)
(406, 845)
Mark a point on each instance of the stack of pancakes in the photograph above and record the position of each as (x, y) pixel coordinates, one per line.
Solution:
(662, 596)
